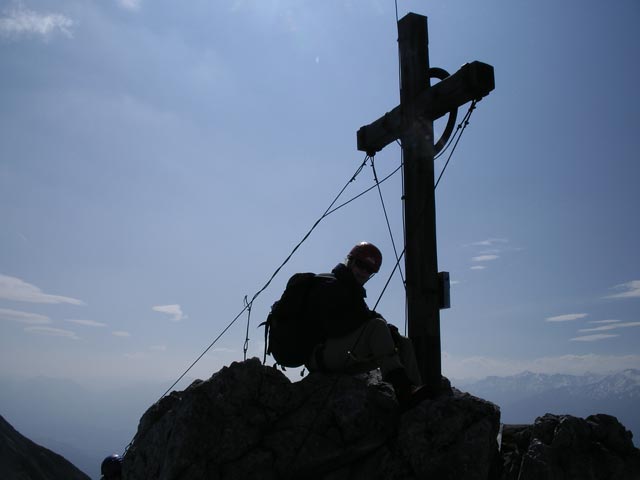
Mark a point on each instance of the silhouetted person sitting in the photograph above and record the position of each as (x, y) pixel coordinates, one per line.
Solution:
(357, 339)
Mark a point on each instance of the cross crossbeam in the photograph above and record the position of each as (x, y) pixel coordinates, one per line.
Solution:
(472, 82)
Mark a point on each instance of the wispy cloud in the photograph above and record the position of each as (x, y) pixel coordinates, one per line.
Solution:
(485, 258)
(603, 321)
(492, 252)
(86, 323)
(610, 326)
(567, 317)
(490, 242)
(175, 311)
(593, 338)
(629, 290)
(120, 333)
(130, 4)
(23, 317)
(158, 348)
(52, 332)
(12, 288)
(18, 21)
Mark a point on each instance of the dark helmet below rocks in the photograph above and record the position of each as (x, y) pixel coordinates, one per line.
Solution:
(368, 254)
(111, 466)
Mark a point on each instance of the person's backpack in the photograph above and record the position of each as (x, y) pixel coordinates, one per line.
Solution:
(289, 333)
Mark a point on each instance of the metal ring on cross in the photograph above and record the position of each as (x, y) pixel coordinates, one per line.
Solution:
(441, 74)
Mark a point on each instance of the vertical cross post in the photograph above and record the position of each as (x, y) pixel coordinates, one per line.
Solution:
(421, 260)
(412, 123)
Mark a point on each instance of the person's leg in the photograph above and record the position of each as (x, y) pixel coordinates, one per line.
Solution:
(408, 359)
(369, 347)
(366, 348)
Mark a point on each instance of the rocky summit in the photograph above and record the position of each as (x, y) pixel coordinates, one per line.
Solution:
(249, 421)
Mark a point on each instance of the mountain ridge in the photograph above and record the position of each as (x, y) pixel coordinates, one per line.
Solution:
(522, 397)
(22, 458)
(114, 412)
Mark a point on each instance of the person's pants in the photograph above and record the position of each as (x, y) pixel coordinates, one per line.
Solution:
(369, 347)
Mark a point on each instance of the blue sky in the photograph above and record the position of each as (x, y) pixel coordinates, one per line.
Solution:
(158, 161)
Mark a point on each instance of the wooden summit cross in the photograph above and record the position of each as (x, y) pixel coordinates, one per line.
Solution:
(412, 123)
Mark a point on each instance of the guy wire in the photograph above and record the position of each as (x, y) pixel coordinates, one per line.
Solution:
(248, 305)
(461, 128)
(386, 217)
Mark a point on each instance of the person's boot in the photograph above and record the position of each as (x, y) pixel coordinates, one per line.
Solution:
(407, 394)
(401, 385)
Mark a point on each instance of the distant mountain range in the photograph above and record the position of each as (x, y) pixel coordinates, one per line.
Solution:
(525, 396)
(86, 425)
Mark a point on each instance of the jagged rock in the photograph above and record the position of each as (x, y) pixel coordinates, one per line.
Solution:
(250, 421)
(568, 447)
(22, 459)
(451, 438)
